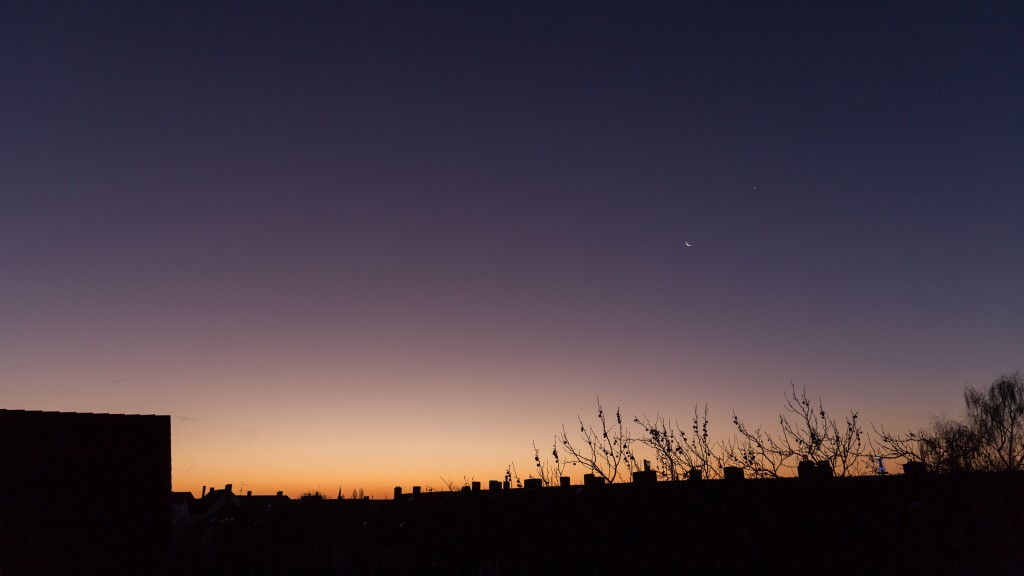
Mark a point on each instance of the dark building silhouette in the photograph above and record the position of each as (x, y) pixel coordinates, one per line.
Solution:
(84, 493)
(894, 524)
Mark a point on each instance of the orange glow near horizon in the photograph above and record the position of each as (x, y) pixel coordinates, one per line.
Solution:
(363, 245)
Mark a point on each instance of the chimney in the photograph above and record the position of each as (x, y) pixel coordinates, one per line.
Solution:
(533, 484)
(204, 491)
(647, 476)
(227, 488)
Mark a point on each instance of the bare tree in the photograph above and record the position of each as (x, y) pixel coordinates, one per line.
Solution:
(550, 473)
(668, 443)
(996, 416)
(754, 450)
(885, 444)
(676, 453)
(512, 474)
(945, 446)
(950, 446)
(990, 439)
(808, 432)
(606, 452)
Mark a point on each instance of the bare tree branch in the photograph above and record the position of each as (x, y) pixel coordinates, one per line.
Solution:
(606, 452)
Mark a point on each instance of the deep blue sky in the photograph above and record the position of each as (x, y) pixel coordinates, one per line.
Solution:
(336, 216)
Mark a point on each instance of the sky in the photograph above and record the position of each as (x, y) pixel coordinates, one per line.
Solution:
(366, 244)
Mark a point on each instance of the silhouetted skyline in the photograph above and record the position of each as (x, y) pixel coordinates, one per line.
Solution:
(372, 243)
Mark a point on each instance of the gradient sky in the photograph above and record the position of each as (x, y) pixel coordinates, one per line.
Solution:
(368, 244)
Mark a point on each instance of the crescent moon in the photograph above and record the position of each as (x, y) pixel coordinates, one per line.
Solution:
(688, 244)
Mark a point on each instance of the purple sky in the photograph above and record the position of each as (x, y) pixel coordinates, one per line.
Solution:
(370, 243)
